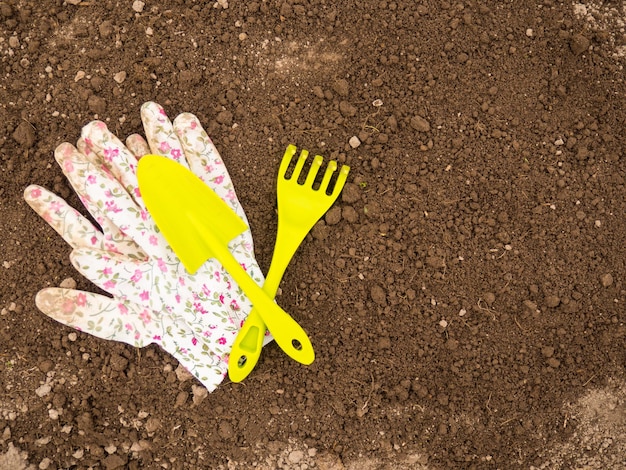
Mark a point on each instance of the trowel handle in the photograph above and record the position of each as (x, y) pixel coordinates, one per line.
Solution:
(247, 348)
(287, 333)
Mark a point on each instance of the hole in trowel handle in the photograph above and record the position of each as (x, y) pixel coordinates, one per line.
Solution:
(242, 361)
(296, 344)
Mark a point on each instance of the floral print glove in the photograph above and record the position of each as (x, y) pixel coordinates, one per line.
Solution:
(154, 299)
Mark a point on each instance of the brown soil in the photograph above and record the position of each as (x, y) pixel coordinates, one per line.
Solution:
(465, 297)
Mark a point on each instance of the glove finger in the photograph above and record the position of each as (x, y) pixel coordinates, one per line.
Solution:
(116, 157)
(137, 145)
(101, 316)
(109, 228)
(106, 198)
(205, 161)
(160, 133)
(75, 229)
(80, 166)
(85, 148)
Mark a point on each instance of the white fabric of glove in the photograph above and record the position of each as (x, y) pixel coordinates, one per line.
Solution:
(154, 299)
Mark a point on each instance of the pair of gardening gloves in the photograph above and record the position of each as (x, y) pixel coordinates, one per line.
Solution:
(195, 318)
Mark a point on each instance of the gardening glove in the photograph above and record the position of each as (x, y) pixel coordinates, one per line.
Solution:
(154, 299)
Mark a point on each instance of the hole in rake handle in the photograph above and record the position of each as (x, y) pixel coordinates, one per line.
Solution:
(296, 344)
(242, 361)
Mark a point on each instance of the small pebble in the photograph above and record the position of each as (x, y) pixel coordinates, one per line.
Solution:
(378, 295)
(119, 77)
(43, 390)
(225, 430)
(579, 44)
(79, 76)
(333, 216)
(97, 104)
(552, 301)
(42, 441)
(553, 362)
(138, 6)
(199, 394)
(354, 141)
(68, 283)
(153, 424)
(181, 398)
(420, 124)
(351, 193)
(182, 374)
(349, 214)
(72, 336)
(341, 87)
(46, 366)
(24, 134)
(296, 456)
(606, 280)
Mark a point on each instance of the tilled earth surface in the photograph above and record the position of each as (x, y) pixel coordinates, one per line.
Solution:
(465, 296)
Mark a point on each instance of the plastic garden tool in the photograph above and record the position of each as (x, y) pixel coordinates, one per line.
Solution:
(300, 206)
(199, 226)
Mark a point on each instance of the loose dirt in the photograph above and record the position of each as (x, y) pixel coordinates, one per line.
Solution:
(466, 294)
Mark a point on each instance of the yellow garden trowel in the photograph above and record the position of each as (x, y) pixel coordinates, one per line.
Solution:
(198, 225)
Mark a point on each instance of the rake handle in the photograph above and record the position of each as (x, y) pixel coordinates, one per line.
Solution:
(249, 341)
